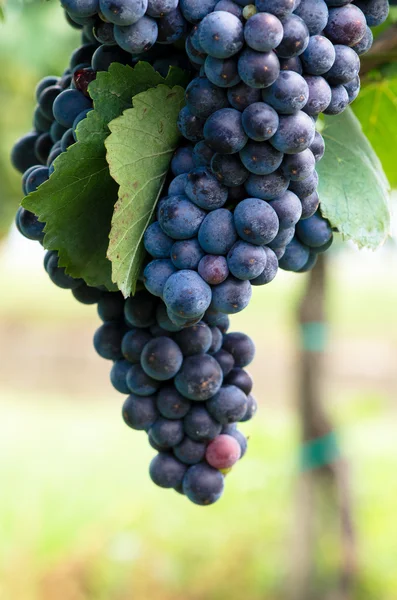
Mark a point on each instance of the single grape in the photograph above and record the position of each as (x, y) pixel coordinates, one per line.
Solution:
(196, 339)
(314, 231)
(166, 432)
(339, 100)
(295, 257)
(306, 187)
(22, 155)
(29, 226)
(298, 167)
(241, 96)
(104, 56)
(246, 261)
(140, 383)
(217, 233)
(81, 8)
(166, 471)
(260, 121)
(118, 376)
(225, 360)
(241, 347)
(202, 484)
(182, 161)
(186, 254)
(172, 27)
(353, 88)
(267, 187)
(310, 205)
(258, 69)
(156, 274)
(68, 104)
(157, 243)
(345, 67)
(241, 379)
(213, 269)
(140, 310)
(231, 296)
(288, 94)
(194, 11)
(295, 133)
(138, 37)
(202, 155)
(111, 306)
(199, 378)
(161, 358)
(256, 222)
(133, 343)
(123, 12)
(281, 8)
(203, 97)
(295, 38)
(318, 146)
(186, 294)
(252, 408)
(205, 190)
(86, 294)
(190, 126)
(229, 405)
(314, 13)
(190, 452)
(288, 209)
(179, 218)
(199, 425)
(365, 43)
(221, 34)
(107, 340)
(346, 25)
(228, 169)
(260, 158)
(223, 452)
(263, 32)
(319, 55)
(222, 72)
(217, 340)
(223, 131)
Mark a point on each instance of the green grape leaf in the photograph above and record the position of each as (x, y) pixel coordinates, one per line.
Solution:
(77, 202)
(353, 188)
(376, 109)
(139, 151)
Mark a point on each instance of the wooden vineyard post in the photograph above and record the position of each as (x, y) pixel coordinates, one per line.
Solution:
(323, 556)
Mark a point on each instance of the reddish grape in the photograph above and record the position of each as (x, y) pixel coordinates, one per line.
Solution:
(223, 452)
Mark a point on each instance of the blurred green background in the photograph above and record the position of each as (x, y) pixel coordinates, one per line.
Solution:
(79, 517)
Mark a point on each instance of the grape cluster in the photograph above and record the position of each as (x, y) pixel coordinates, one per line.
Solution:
(244, 198)
(186, 386)
(241, 200)
(187, 389)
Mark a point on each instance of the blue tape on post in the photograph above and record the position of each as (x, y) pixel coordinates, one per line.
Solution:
(314, 336)
(320, 452)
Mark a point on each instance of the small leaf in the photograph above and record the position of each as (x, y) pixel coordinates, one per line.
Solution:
(353, 188)
(140, 149)
(77, 202)
(376, 109)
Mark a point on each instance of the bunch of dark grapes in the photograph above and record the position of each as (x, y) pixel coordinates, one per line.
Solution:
(187, 389)
(186, 386)
(244, 199)
(241, 202)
